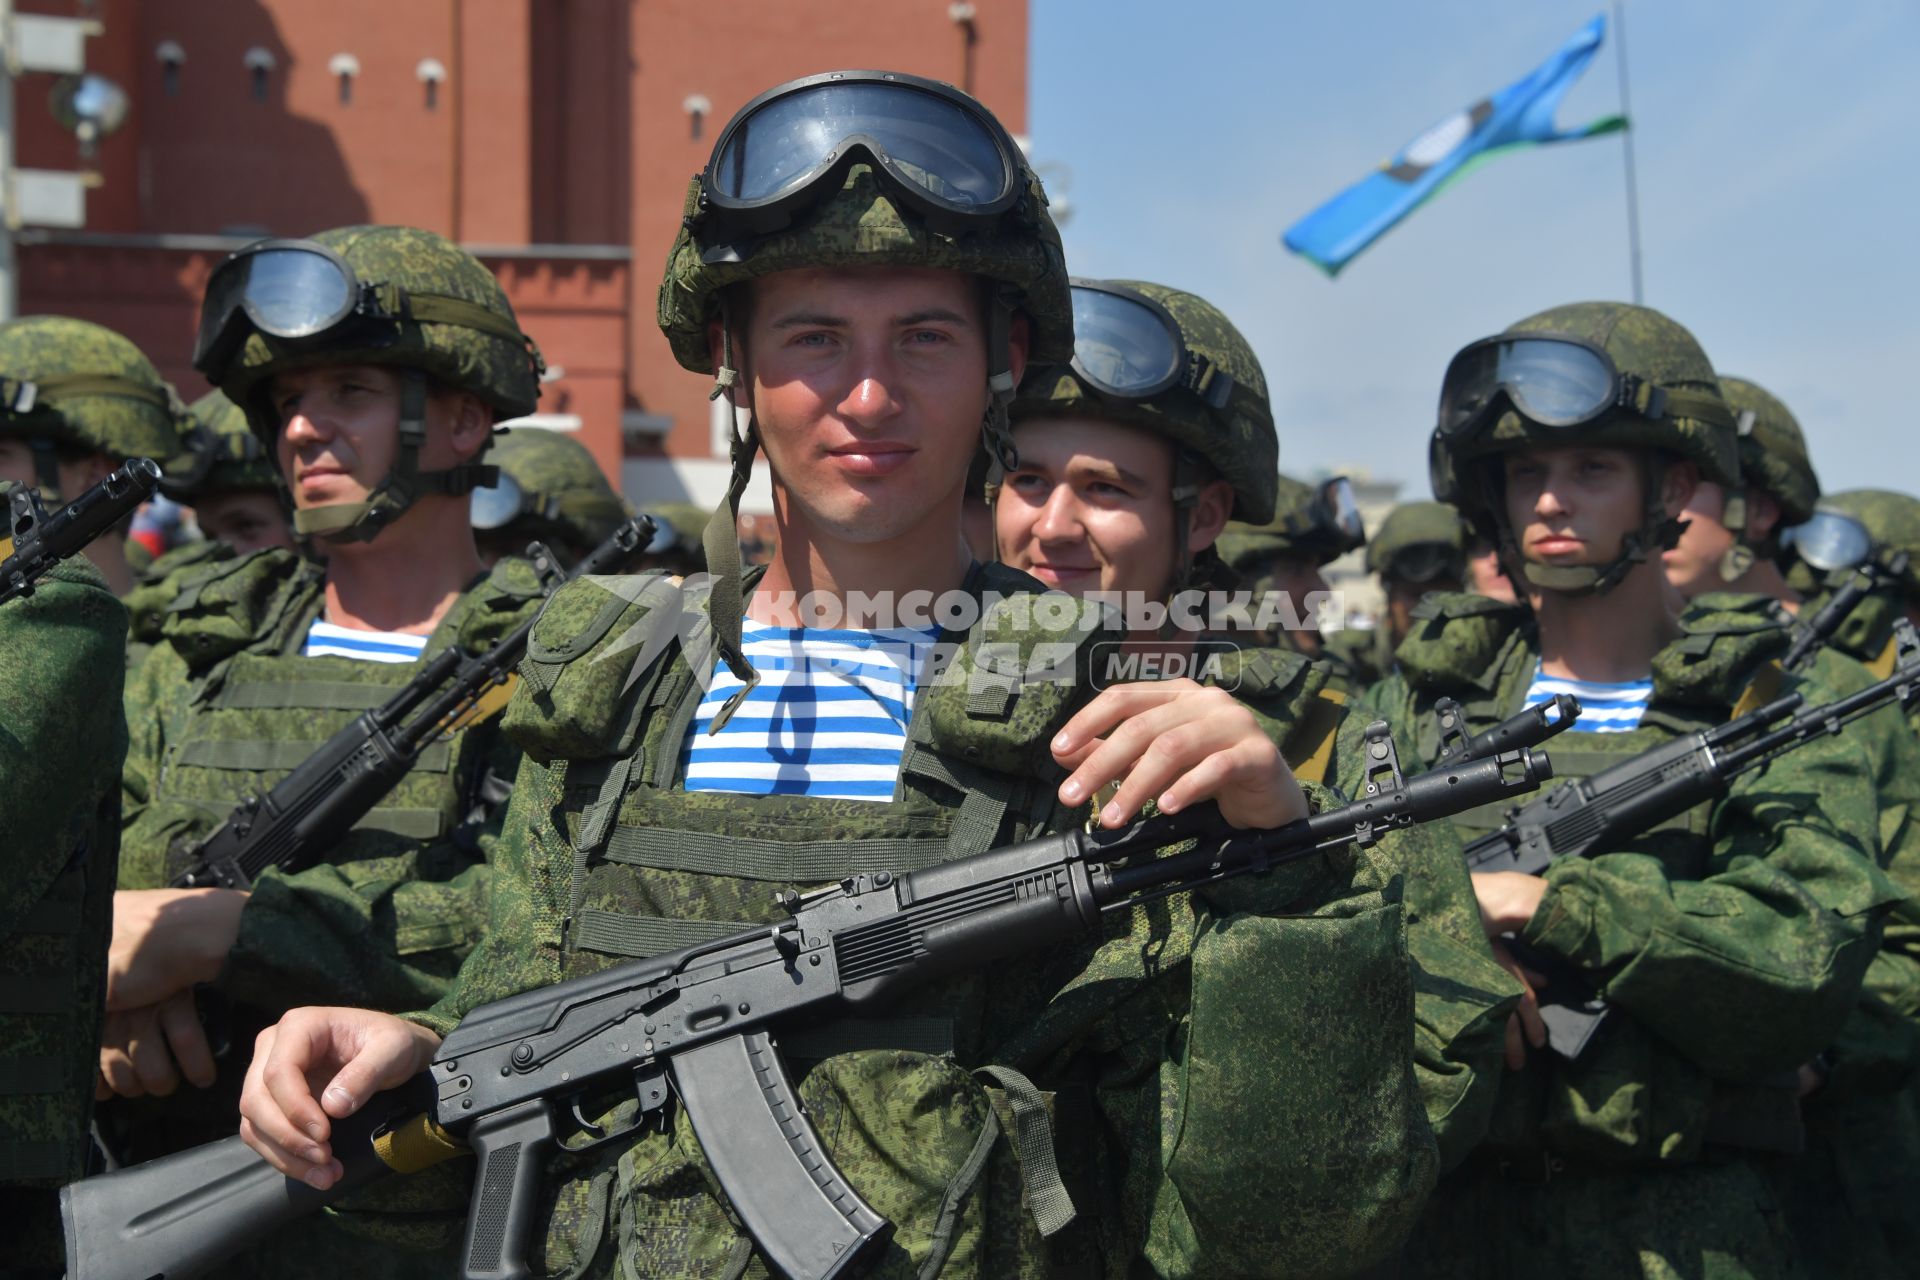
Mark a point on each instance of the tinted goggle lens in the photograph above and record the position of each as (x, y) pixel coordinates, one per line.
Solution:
(1123, 346)
(499, 504)
(938, 145)
(285, 291)
(1421, 562)
(1341, 511)
(1829, 540)
(1557, 384)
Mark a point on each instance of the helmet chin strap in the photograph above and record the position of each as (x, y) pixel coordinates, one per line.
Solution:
(996, 430)
(726, 598)
(1658, 532)
(404, 484)
(1739, 557)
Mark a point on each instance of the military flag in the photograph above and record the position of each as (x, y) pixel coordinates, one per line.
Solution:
(1520, 115)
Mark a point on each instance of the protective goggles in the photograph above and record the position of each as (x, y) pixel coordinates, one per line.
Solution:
(1423, 562)
(1829, 540)
(1555, 381)
(298, 291)
(1128, 346)
(497, 505)
(943, 153)
(1334, 509)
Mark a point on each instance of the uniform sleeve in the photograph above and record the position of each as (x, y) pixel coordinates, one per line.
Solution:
(1749, 969)
(1461, 997)
(1291, 1137)
(156, 693)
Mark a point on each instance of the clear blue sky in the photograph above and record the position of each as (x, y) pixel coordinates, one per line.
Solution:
(1779, 180)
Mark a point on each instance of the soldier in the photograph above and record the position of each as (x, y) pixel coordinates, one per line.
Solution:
(550, 490)
(84, 401)
(1421, 547)
(1311, 527)
(62, 738)
(676, 548)
(1890, 523)
(1730, 944)
(377, 424)
(864, 321)
(1850, 1195)
(1485, 577)
(232, 485)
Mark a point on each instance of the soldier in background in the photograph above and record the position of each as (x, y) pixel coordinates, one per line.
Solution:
(1873, 526)
(1420, 547)
(82, 400)
(549, 490)
(1312, 526)
(676, 547)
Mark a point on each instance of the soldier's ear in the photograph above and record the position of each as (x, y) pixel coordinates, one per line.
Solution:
(1763, 513)
(469, 424)
(1019, 342)
(1677, 483)
(1209, 515)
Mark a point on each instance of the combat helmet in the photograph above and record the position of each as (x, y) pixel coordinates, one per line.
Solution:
(1595, 373)
(381, 295)
(858, 168)
(1419, 542)
(74, 384)
(1892, 522)
(549, 489)
(219, 453)
(1317, 522)
(1773, 459)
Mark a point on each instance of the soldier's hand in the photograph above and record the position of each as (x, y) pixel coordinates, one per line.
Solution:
(1177, 743)
(146, 1050)
(1507, 900)
(316, 1066)
(1524, 1025)
(167, 940)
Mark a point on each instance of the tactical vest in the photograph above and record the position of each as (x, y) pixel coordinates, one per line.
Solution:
(256, 708)
(650, 868)
(1295, 700)
(1628, 1099)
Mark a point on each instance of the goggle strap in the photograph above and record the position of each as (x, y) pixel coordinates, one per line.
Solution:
(438, 308)
(1207, 380)
(102, 384)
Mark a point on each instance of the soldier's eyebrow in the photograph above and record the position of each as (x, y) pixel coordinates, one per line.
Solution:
(932, 315)
(810, 320)
(1106, 469)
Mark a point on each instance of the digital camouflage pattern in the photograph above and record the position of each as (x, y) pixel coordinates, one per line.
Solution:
(503, 373)
(97, 390)
(1238, 441)
(1731, 943)
(570, 499)
(1640, 341)
(1893, 521)
(1190, 1146)
(1420, 524)
(227, 706)
(62, 736)
(1300, 527)
(219, 454)
(861, 226)
(1773, 450)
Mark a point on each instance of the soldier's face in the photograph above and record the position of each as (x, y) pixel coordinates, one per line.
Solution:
(1091, 508)
(868, 385)
(245, 521)
(76, 475)
(1693, 566)
(1573, 506)
(340, 430)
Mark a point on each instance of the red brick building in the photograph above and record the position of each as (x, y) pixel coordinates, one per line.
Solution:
(554, 138)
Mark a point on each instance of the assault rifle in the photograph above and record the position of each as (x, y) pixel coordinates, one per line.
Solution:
(41, 541)
(702, 1025)
(1811, 635)
(307, 812)
(1529, 728)
(1599, 814)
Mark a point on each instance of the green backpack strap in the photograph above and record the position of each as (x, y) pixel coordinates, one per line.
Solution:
(1032, 1135)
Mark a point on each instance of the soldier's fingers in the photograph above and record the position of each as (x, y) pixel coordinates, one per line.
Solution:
(1110, 707)
(116, 1065)
(284, 1106)
(1117, 754)
(319, 1174)
(1531, 1021)
(1516, 1051)
(147, 1046)
(389, 1051)
(187, 1040)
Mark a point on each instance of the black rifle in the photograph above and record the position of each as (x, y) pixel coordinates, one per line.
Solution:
(1529, 728)
(1599, 814)
(700, 1025)
(307, 812)
(1809, 636)
(41, 541)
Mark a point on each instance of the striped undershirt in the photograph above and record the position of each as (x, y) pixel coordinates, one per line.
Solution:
(1604, 707)
(828, 718)
(325, 640)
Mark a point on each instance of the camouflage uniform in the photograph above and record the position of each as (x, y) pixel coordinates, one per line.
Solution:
(1893, 521)
(61, 740)
(564, 498)
(226, 705)
(1731, 941)
(1187, 1144)
(1301, 528)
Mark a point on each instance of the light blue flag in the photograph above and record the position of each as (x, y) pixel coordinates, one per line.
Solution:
(1520, 115)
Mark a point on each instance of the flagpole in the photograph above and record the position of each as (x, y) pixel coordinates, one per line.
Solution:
(1626, 135)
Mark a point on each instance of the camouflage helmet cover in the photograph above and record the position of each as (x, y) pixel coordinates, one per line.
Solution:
(569, 492)
(1891, 519)
(93, 388)
(1773, 451)
(679, 525)
(1414, 524)
(1294, 530)
(1239, 441)
(860, 225)
(504, 374)
(220, 454)
(1640, 341)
